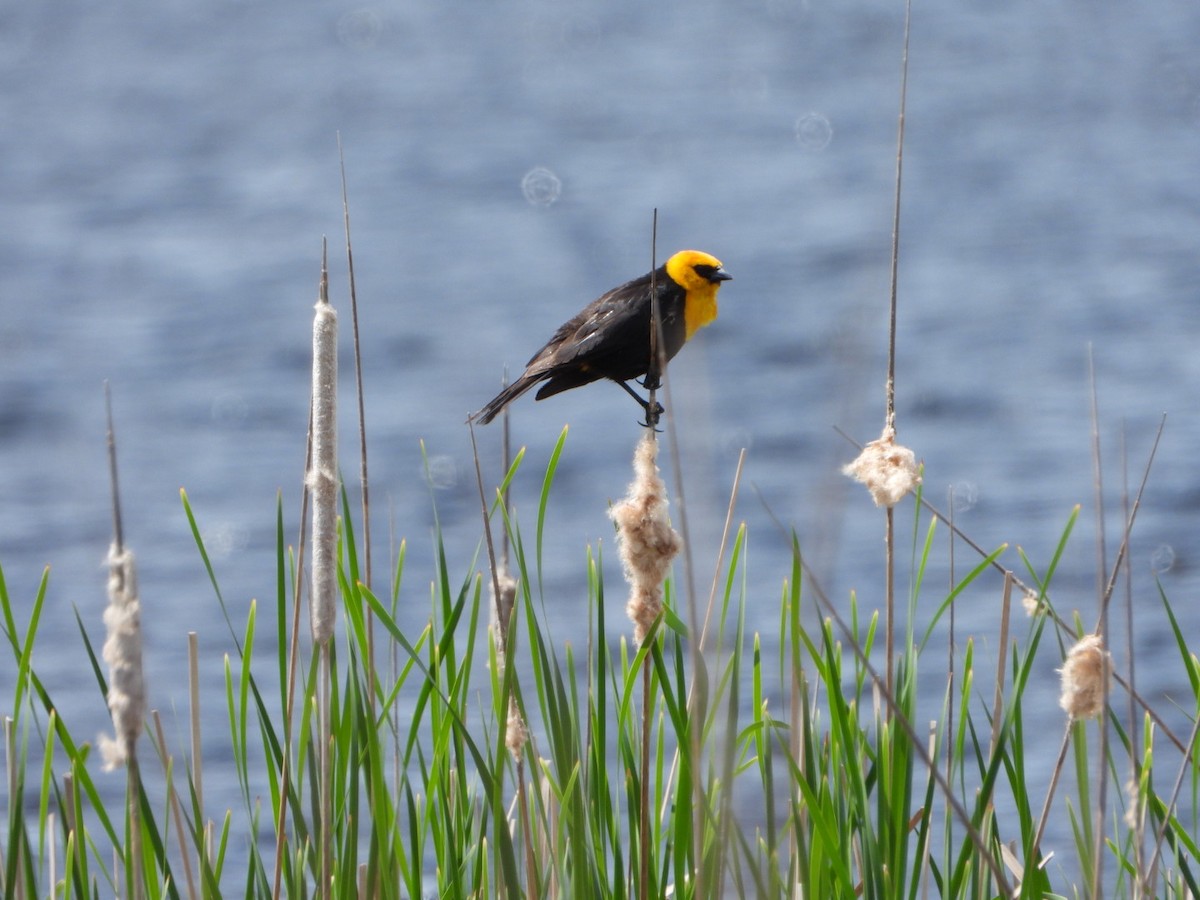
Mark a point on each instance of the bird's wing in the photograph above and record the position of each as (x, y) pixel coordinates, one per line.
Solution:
(612, 324)
(611, 321)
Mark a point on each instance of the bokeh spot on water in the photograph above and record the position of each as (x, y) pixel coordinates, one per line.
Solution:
(964, 495)
(1162, 559)
(222, 540)
(443, 472)
(541, 186)
(813, 132)
(360, 28)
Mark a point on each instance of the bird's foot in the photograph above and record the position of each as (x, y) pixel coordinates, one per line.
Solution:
(651, 382)
(653, 414)
(653, 411)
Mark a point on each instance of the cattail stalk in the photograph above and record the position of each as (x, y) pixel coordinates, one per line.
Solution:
(123, 653)
(323, 485)
(647, 544)
(122, 619)
(126, 689)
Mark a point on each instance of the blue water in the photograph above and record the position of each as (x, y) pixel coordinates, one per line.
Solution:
(169, 170)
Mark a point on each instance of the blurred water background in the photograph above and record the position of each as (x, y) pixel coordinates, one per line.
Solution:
(169, 170)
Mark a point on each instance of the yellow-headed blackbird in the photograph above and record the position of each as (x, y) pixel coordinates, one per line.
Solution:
(610, 338)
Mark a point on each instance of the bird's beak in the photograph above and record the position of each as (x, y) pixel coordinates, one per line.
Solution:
(721, 275)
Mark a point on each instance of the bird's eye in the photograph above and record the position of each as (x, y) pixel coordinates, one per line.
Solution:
(705, 271)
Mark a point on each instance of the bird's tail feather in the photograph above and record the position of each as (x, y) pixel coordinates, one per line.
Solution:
(502, 399)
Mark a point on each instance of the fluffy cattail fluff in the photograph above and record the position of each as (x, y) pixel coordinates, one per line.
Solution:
(502, 612)
(1133, 803)
(516, 734)
(1031, 601)
(888, 469)
(1085, 677)
(123, 653)
(322, 478)
(646, 539)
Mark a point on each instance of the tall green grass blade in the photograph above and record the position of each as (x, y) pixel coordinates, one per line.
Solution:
(544, 498)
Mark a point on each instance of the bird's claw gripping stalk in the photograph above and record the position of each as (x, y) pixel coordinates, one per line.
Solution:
(653, 411)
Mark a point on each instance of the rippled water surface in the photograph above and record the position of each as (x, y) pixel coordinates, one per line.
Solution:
(170, 170)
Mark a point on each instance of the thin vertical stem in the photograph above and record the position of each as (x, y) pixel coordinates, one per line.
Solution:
(1123, 550)
(505, 464)
(1098, 480)
(362, 431)
(1134, 724)
(51, 856)
(657, 363)
(951, 676)
(890, 419)
(325, 742)
(111, 441)
(134, 848)
(890, 596)
(193, 656)
(531, 869)
(13, 781)
(656, 367)
(1001, 663)
(1034, 851)
(891, 381)
(644, 813)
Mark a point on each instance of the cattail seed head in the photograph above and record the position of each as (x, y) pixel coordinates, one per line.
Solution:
(502, 606)
(888, 469)
(123, 653)
(646, 539)
(1031, 602)
(323, 476)
(516, 734)
(1085, 677)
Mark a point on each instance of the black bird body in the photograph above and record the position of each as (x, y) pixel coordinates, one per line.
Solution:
(610, 337)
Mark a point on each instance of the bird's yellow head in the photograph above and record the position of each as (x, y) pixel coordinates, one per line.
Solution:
(700, 274)
(695, 270)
